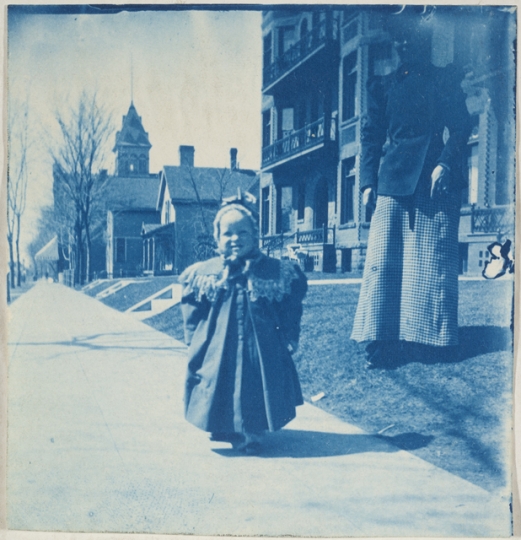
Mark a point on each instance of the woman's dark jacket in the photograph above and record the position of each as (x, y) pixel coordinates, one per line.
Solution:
(407, 113)
(239, 327)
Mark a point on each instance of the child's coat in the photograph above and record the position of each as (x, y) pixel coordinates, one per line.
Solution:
(241, 376)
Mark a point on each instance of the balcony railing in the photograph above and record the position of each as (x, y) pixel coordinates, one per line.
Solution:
(325, 31)
(302, 139)
(323, 235)
(491, 220)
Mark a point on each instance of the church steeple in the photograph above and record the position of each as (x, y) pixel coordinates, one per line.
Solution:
(132, 146)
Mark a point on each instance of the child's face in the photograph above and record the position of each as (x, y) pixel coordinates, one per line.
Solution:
(236, 236)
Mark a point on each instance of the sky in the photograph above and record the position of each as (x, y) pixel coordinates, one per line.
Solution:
(196, 80)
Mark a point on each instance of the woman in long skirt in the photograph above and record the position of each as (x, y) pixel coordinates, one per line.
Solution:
(412, 170)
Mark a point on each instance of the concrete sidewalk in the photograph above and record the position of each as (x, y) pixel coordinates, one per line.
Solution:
(98, 443)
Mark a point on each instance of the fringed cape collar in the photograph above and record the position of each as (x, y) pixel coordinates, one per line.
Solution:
(265, 278)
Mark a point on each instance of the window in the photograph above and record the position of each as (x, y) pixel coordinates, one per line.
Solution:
(287, 121)
(349, 76)
(265, 210)
(284, 208)
(471, 192)
(346, 259)
(301, 202)
(266, 128)
(167, 211)
(286, 39)
(133, 164)
(315, 18)
(463, 250)
(347, 191)
(303, 27)
(121, 251)
(267, 46)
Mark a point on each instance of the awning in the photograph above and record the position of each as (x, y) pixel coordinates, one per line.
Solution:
(49, 252)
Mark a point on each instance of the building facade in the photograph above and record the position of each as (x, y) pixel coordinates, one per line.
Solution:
(188, 199)
(316, 64)
(130, 200)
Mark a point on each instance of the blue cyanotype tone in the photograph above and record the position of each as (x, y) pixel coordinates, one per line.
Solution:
(171, 372)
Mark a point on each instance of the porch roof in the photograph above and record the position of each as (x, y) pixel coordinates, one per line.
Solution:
(156, 229)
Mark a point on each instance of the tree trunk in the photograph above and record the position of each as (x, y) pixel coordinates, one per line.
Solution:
(78, 274)
(11, 259)
(87, 254)
(18, 265)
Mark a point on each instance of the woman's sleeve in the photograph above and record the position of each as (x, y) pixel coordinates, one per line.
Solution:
(290, 309)
(373, 133)
(456, 117)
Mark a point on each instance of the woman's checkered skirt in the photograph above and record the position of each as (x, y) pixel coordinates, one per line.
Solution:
(410, 286)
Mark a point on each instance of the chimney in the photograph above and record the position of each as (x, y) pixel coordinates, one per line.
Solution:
(233, 158)
(186, 155)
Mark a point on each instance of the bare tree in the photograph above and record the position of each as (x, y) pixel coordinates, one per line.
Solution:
(79, 178)
(204, 244)
(17, 174)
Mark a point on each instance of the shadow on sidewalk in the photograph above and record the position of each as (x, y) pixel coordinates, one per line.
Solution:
(110, 341)
(316, 444)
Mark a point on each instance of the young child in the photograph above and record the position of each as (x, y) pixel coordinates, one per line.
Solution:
(242, 314)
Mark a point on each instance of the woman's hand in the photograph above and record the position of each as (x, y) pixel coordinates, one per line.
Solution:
(369, 197)
(439, 181)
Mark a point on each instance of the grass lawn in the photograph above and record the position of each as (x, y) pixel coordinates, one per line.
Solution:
(136, 292)
(453, 414)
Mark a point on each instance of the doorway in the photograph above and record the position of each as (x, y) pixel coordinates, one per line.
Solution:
(321, 203)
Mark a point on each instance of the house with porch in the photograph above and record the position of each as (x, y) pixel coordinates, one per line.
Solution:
(187, 201)
(316, 63)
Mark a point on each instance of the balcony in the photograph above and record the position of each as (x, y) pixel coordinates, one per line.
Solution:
(310, 43)
(323, 235)
(313, 249)
(498, 220)
(311, 136)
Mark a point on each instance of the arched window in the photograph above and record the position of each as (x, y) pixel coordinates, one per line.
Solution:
(132, 166)
(143, 164)
(303, 27)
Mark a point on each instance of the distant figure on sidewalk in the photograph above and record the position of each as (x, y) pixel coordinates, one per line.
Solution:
(412, 169)
(242, 314)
